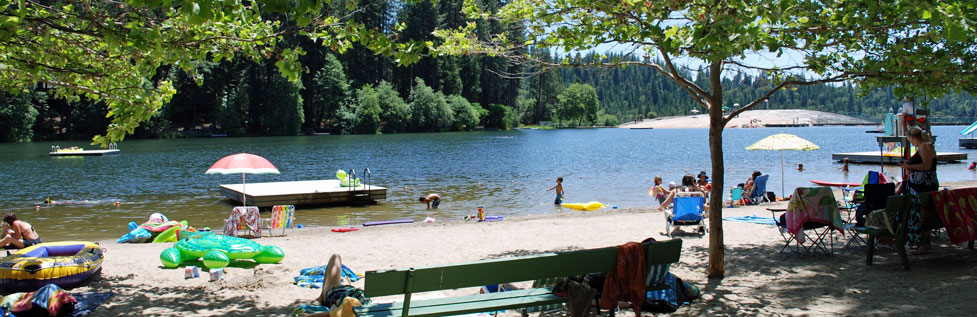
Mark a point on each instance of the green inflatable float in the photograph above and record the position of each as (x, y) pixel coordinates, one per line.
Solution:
(346, 181)
(218, 251)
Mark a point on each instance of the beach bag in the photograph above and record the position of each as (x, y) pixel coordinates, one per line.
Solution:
(670, 299)
(879, 219)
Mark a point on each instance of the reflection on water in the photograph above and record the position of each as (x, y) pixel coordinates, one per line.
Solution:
(507, 172)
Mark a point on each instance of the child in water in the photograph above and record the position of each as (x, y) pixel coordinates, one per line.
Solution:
(559, 190)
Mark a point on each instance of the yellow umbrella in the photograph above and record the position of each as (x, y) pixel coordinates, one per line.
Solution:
(781, 142)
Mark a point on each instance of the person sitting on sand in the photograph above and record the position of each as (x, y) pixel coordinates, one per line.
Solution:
(432, 200)
(658, 191)
(18, 233)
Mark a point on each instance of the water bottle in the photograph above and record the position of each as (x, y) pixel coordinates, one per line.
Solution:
(481, 214)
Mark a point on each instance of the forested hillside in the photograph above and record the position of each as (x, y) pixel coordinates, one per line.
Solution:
(357, 91)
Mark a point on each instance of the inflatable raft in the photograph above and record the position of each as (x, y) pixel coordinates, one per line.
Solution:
(591, 206)
(65, 263)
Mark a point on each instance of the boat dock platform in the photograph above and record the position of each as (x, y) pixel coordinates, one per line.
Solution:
(313, 192)
(968, 143)
(84, 153)
(876, 157)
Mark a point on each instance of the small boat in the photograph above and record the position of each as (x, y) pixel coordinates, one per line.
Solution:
(65, 263)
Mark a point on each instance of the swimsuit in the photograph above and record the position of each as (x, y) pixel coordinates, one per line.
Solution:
(436, 202)
(559, 199)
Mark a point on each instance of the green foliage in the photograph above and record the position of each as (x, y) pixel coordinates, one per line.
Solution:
(368, 111)
(578, 102)
(466, 115)
(429, 111)
(330, 91)
(279, 111)
(396, 112)
(17, 115)
(500, 117)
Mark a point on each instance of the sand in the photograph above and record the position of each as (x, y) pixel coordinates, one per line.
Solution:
(759, 279)
(752, 118)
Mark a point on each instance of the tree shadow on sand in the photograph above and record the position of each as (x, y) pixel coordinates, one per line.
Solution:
(760, 280)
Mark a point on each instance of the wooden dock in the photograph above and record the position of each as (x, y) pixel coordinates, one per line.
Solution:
(876, 157)
(969, 143)
(84, 153)
(314, 192)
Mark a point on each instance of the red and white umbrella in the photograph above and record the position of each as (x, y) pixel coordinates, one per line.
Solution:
(243, 163)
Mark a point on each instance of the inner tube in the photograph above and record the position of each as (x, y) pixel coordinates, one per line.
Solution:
(65, 264)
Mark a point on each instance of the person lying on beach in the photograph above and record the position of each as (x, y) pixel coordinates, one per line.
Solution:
(18, 233)
(337, 296)
(432, 200)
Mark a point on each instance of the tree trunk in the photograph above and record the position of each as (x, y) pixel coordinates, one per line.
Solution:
(717, 250)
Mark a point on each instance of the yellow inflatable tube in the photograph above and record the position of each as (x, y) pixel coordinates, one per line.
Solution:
(591, 206)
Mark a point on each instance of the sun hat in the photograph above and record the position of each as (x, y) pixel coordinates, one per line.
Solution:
(703, 173)
(672, 185)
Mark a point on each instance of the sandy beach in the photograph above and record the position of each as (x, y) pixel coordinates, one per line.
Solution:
(751, 118)
(759, 280)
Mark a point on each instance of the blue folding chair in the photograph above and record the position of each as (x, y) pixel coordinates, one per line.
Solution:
(687, 211)
(759, 193)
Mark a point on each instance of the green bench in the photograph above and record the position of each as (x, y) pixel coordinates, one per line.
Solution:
(496, 271)
(900, 205)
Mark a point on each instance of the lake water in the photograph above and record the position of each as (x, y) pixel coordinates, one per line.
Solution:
(507, 172)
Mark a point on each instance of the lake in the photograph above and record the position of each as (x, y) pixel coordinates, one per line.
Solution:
(506, 172)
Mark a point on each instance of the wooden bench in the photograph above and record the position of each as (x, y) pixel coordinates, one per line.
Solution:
(900, 205)
(495, 271)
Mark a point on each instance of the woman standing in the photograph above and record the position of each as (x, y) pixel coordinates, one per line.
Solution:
(921, 167)
(920, 175)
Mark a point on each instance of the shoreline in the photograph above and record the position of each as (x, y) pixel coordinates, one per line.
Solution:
(759, 280)
(751, 119)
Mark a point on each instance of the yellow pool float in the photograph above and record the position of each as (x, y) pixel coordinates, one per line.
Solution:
(591, 206)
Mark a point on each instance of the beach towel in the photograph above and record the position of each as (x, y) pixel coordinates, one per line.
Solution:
(627, 281)
(313, 277)
(958, 210)
(49, 297)
(241, 217)
(87, 302)
(753, 219)
(816, 204)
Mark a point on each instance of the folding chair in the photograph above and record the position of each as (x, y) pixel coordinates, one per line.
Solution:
(282, 217)
(809, 219)
(243, 218)
(735, 196)
(688, 211)
(759, 193)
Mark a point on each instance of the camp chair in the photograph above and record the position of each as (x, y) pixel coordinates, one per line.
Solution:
(243, 218)
(759, 193)
(687, 211)
(735, 196)
(809, 219)
(873, 198)
(282, 217)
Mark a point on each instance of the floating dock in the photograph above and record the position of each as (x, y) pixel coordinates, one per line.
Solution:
(84, 153)
(314, 192)
(968, 143)
(876, 157)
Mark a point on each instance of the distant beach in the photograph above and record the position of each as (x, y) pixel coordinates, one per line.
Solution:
(751, 118)
(759, 280)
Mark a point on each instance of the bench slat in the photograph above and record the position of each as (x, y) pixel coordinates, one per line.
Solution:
(496, 271)
(465, 304)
